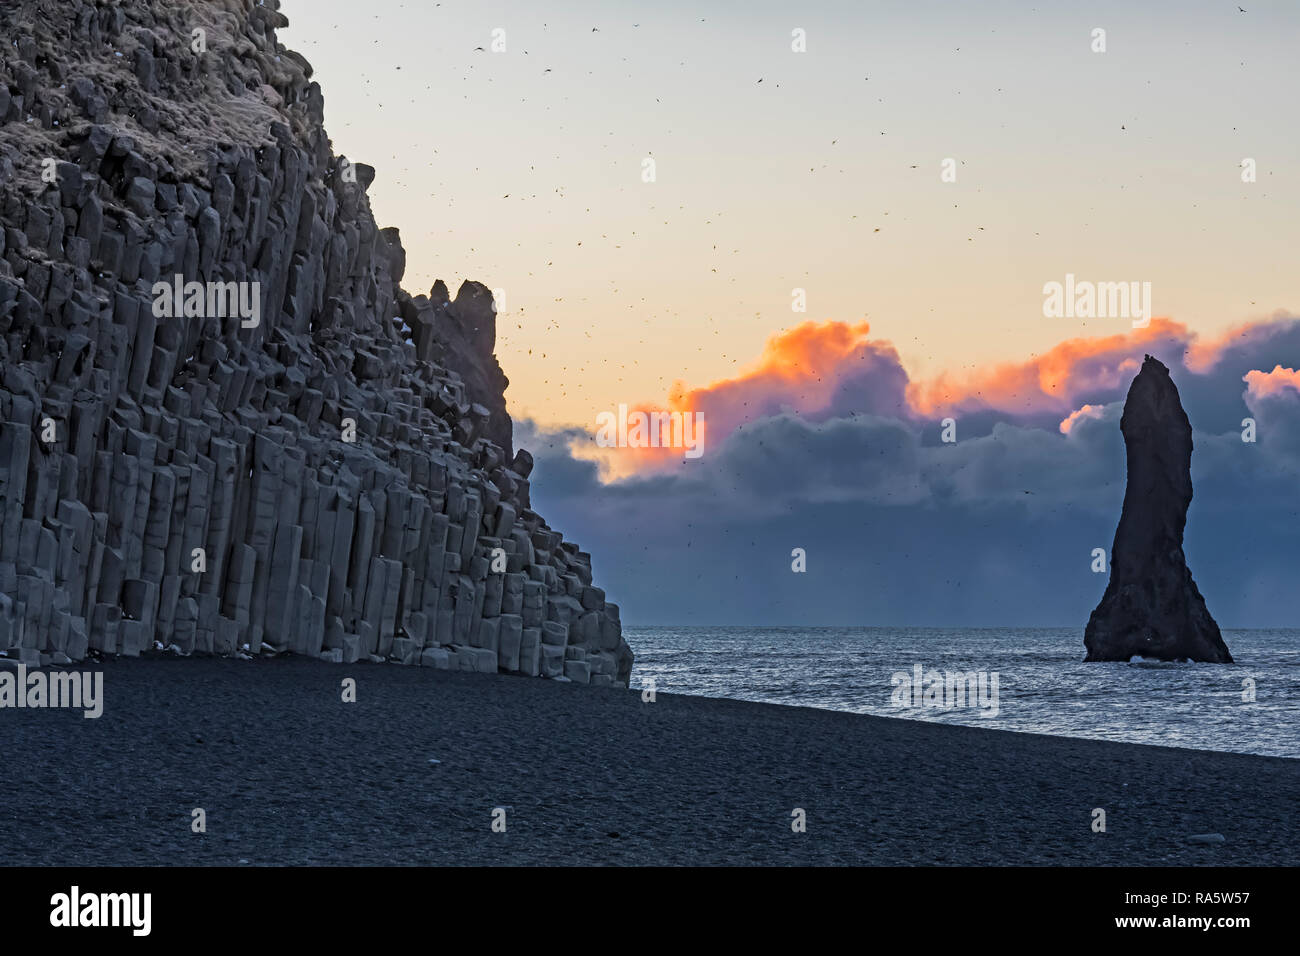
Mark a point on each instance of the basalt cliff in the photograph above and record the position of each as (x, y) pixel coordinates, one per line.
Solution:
(225, 428)
(1151, 607)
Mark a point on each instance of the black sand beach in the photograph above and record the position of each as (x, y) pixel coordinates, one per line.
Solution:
(289, 774)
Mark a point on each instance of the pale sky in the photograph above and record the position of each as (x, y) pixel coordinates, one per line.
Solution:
(1123, 165)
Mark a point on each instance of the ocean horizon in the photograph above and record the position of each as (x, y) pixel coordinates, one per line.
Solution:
(1043, 686)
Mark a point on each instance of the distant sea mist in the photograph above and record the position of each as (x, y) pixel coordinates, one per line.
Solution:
(1040, 681)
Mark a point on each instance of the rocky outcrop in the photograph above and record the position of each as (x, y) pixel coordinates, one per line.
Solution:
(224, 427)
(464, 332)
(1152, 607)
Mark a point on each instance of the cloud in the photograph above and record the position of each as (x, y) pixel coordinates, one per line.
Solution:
(1276, 382)
(1273, 399)
(823, 371)
(817, 371)
(1085, 411)
(1281, 333)
(1077, 370)
(824, 444)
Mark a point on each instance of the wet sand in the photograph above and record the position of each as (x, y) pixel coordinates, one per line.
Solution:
(289, 774)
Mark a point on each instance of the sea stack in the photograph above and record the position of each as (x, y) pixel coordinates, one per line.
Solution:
(1152, 607)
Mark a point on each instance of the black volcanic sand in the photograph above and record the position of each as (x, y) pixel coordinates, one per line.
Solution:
(289, 774)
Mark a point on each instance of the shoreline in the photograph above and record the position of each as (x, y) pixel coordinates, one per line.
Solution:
(1003, 730)
(289, 774)
(98, 666)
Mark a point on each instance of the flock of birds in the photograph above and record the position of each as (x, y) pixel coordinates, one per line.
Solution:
(535, 335)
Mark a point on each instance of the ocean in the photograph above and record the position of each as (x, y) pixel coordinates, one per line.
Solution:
(1042, 684)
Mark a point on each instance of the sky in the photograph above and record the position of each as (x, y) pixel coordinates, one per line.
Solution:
(822, 171)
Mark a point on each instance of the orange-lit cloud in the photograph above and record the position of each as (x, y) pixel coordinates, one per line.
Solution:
(801, 370)
(810, 370)
(826, 370)
(1261, 384)
(1052, 382)
(668, 436)
(1087, 411)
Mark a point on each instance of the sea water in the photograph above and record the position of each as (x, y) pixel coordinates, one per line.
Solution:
(1043, 686)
